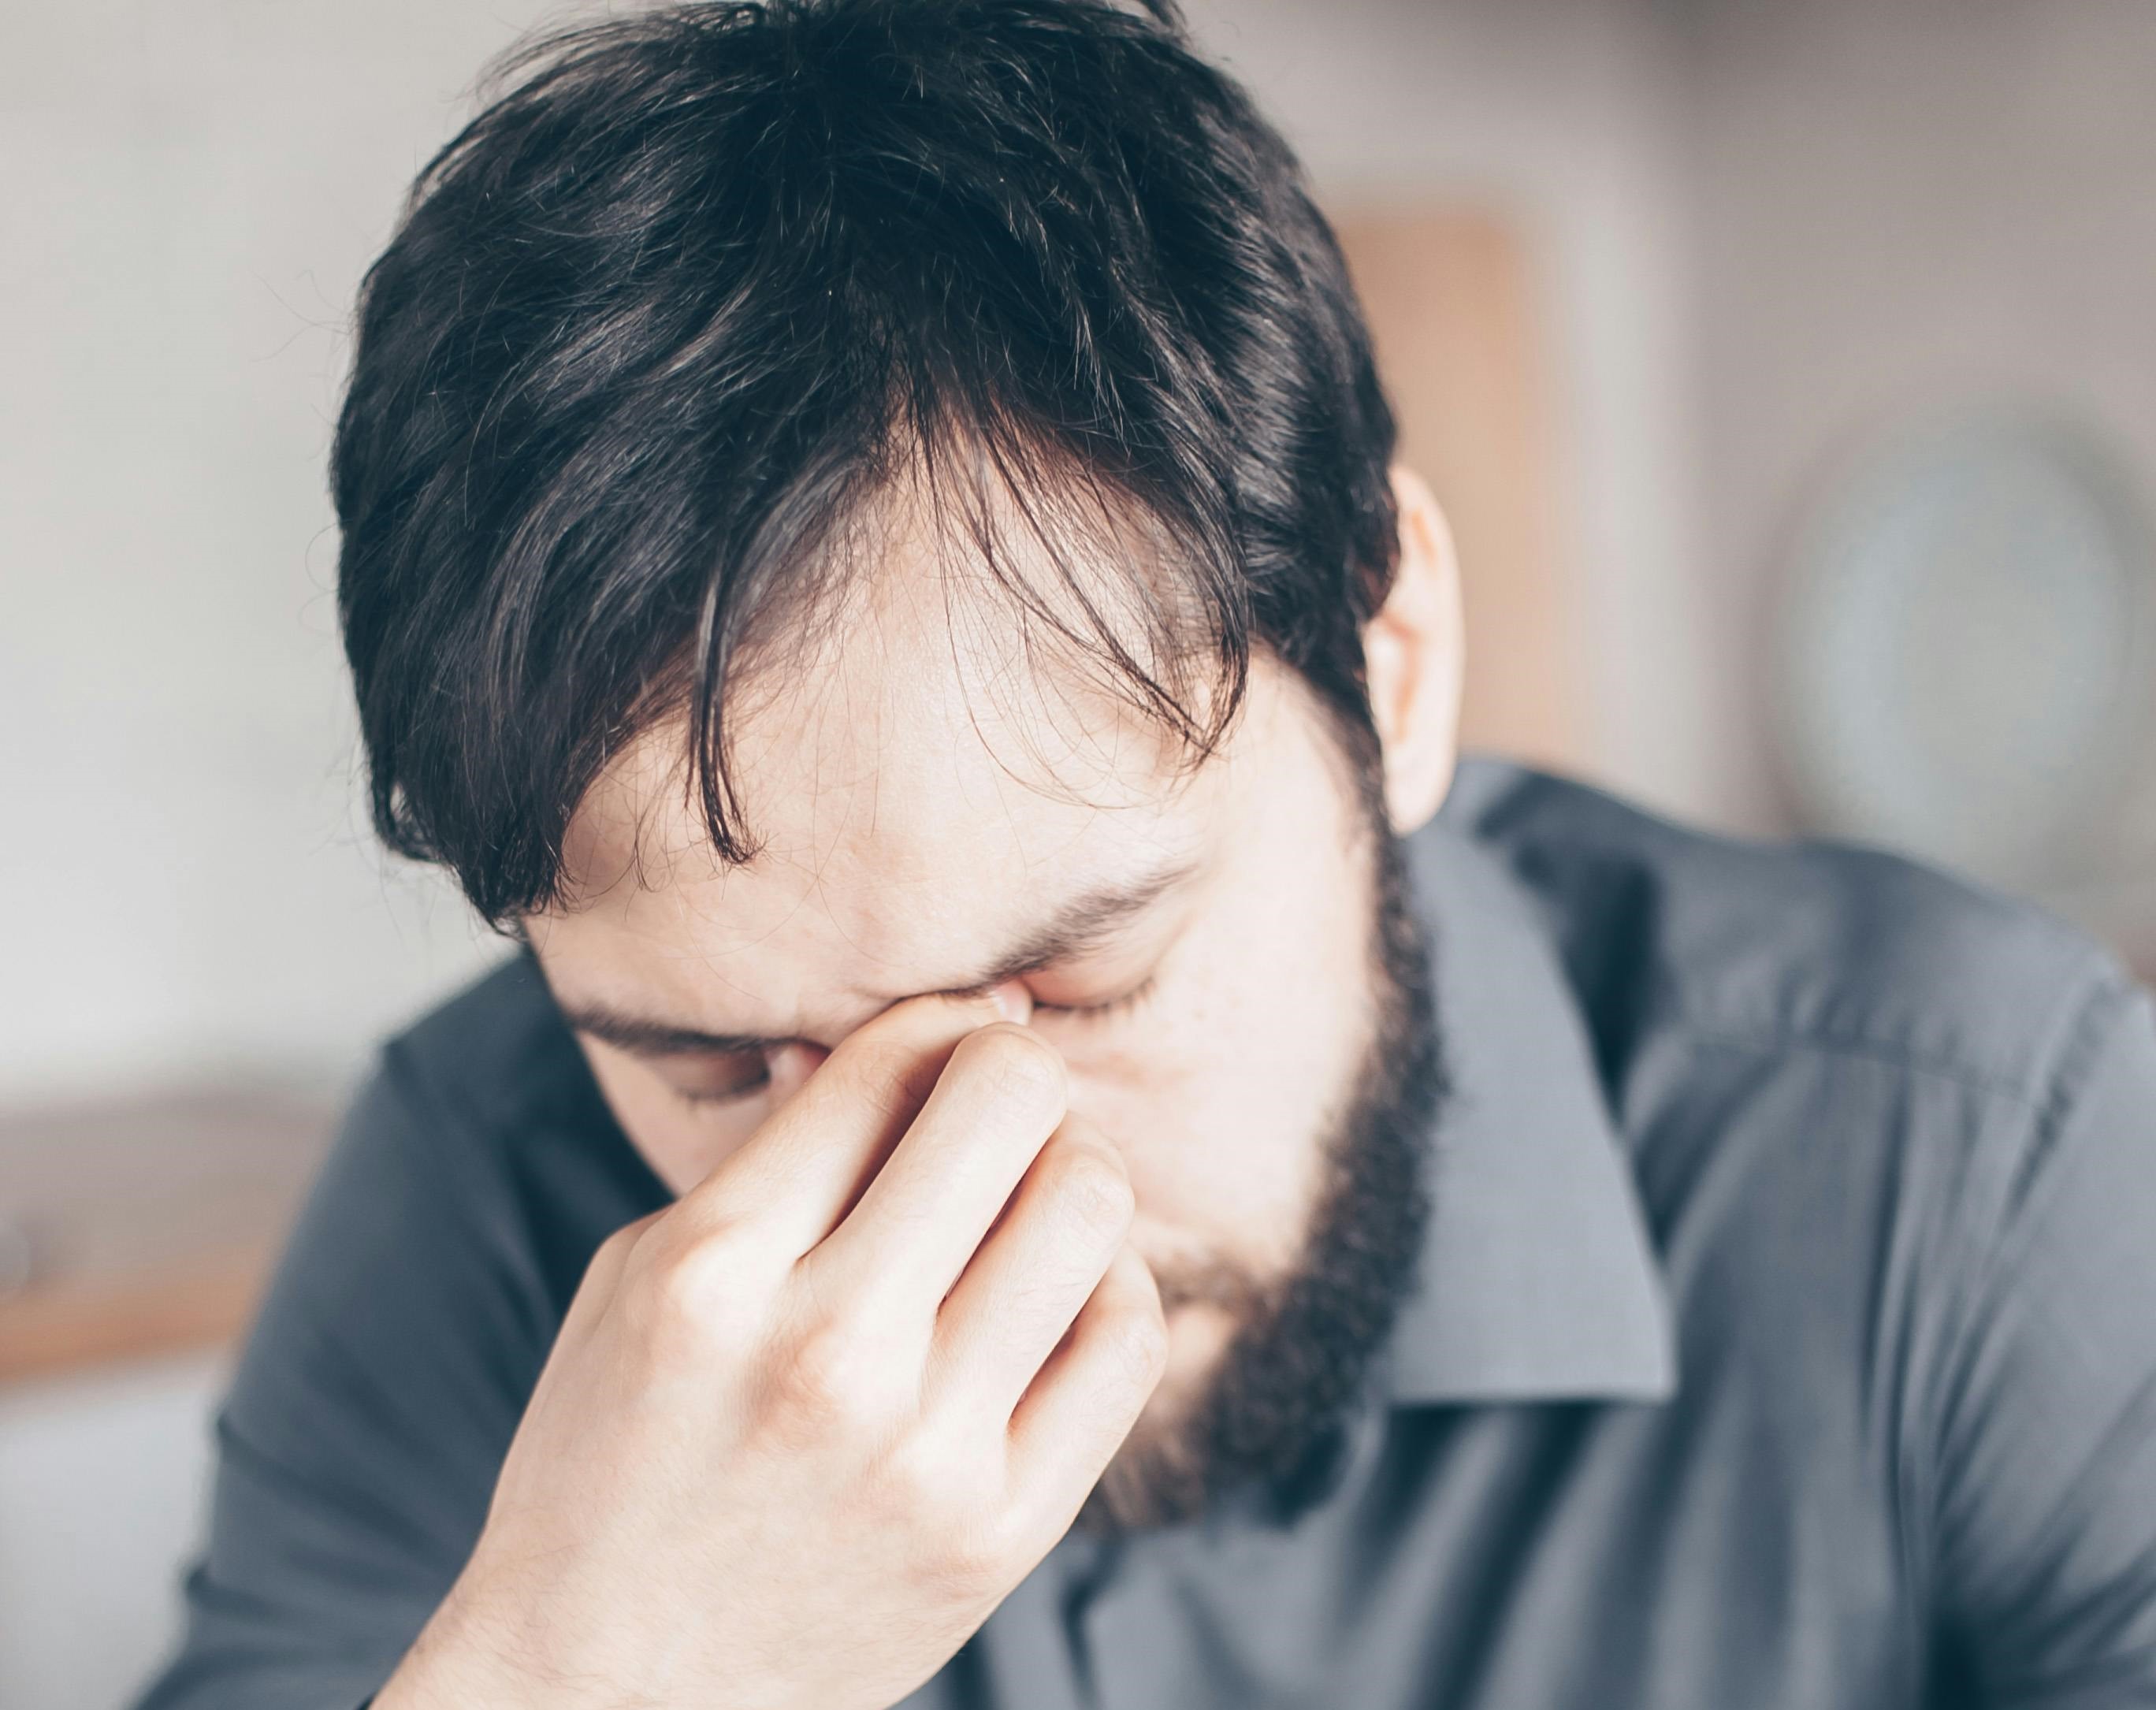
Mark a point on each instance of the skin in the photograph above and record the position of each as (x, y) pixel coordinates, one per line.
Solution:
(802, 1430)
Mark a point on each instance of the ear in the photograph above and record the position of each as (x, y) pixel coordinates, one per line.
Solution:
(1413, 653)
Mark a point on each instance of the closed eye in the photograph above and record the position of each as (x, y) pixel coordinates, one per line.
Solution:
(749, 1078)
(1108, 1007)
(755, 1077)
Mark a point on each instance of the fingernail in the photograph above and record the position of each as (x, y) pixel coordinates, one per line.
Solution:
(1013, 999)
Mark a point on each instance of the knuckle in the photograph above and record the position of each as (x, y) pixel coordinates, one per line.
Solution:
(687, 1289)
(832, 1377)
(980, 1555)
(923, 1479)
(1018, 1068)
(1137, 1341)
(1093, 1186)
(883, 1074)
(615, 1256)
(976, 1546)
(682, 1284)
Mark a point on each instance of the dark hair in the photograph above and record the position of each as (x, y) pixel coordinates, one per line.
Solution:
(702, 282)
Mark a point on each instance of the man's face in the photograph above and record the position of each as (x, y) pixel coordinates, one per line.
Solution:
(937, 808)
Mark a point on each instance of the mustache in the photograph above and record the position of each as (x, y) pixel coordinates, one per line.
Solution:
(1235, 1289)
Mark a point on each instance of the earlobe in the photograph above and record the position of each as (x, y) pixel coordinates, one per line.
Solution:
(1413, 654)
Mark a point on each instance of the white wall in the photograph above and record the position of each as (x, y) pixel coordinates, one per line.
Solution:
(103, 1481)
(191, 191)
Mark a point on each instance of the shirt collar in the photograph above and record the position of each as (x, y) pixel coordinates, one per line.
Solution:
(1536, 1281)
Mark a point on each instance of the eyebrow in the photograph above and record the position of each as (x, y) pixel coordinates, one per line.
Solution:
(1081, 926)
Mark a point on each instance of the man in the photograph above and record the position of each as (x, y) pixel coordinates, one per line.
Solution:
(1021, 1161)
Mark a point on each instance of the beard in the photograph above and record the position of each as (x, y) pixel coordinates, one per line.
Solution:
(1304, 1339)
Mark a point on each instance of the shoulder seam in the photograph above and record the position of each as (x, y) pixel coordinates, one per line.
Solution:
(2039, 1087)
(1886, 1051)
(2078, 1049)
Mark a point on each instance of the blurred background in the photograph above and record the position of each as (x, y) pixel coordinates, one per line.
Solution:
(1788, 370)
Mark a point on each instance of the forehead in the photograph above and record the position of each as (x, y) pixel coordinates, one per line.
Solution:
(924, 780)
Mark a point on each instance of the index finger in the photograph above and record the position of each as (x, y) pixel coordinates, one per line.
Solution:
(799, 1173)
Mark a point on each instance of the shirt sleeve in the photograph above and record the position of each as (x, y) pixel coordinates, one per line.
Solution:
(2046, 1516)
(358, 1448)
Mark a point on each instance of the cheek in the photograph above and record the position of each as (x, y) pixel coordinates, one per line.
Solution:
(1224, 1095)
(682, 1143)
(1221, 1115)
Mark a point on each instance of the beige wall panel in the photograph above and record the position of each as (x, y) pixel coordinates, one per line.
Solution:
(1446, 293)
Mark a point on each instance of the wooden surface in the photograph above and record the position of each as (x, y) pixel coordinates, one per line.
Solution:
(1449, 296)
(146, 1225)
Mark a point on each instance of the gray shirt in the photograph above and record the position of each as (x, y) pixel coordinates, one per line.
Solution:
(1785, 1334)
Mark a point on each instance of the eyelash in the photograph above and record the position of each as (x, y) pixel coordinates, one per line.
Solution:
(736, 1095)
(1130, 1000)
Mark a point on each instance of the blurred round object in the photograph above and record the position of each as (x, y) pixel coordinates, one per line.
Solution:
(1964, 651)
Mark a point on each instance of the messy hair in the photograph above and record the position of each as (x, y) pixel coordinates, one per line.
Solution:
(701, 285)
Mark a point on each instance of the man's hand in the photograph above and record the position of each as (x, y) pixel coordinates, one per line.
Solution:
(803, 1430)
